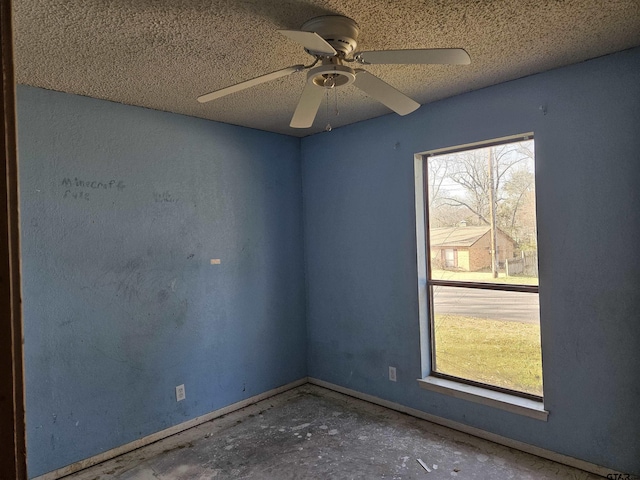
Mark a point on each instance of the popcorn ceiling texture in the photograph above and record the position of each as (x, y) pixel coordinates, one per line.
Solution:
(162, 54)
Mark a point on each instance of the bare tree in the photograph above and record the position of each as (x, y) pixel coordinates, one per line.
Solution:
(493, 186)
(469, 179)
(437, 172)
(468, 170)
(516, 213)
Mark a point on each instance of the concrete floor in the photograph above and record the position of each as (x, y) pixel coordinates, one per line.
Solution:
(313, 433)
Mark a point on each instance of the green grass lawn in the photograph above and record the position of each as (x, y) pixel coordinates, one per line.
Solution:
(506, 354)
(482, 277)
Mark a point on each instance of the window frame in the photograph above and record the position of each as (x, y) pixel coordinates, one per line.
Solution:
(430, 283)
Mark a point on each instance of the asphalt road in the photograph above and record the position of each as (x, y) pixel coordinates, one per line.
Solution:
(492, 304)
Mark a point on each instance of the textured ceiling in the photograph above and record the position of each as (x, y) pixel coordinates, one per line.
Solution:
(162, 54)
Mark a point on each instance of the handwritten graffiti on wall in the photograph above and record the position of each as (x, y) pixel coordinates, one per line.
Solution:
(77, 189)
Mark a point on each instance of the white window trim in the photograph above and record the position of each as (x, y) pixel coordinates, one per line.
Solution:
(484, 396)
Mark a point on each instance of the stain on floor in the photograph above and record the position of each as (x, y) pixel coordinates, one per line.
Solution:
(313, 433)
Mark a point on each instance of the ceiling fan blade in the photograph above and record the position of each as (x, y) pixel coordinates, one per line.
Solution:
(308, 106)
(446, 56)
(249, 83)
(311, 41)
(385, 93)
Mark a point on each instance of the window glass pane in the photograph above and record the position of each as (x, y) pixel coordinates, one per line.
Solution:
(488, 336)
(482, 215)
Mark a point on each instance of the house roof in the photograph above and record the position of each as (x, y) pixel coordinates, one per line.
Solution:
(162, 54)
(456, 236)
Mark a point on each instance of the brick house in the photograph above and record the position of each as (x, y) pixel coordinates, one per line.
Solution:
(468, 248)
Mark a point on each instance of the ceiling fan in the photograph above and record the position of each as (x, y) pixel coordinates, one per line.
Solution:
(332, 40)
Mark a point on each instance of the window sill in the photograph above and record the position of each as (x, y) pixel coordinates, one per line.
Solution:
(483, 396)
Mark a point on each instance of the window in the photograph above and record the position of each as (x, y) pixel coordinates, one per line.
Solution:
(481, 256)
(450, 260)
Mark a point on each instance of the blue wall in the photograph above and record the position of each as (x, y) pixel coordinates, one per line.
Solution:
(121, 303)
(360, 251)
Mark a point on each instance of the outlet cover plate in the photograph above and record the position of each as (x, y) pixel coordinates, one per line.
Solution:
(181, 394)
(392, 374)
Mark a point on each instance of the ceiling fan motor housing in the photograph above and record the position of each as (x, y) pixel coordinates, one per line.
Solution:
(339, 31)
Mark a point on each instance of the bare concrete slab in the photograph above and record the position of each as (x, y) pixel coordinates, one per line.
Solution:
(313, 433)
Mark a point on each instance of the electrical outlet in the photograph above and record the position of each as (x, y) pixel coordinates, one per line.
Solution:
(392, 374)
(181, 394)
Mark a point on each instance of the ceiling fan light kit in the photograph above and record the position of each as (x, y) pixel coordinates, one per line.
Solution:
(331, 75)
(332, 41)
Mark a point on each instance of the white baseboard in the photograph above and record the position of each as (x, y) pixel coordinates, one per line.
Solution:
(476, 432)
(508, 442)
(154, 437)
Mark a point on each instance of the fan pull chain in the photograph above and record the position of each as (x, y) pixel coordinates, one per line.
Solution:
(328, 128)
